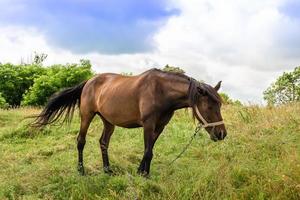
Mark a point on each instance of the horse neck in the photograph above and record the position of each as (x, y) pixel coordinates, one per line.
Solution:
(179, 93)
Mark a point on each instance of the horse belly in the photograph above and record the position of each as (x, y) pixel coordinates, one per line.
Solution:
(121, 110)
(122, 117)
(131, 125)
(118, 101)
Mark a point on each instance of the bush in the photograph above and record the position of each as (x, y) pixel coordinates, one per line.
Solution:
(16, 79)
(227, 100)
(285, 89)
(56, 78)
(3, 103)
(168, 68)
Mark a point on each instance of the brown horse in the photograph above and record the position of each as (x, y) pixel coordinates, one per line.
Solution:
(147, 100)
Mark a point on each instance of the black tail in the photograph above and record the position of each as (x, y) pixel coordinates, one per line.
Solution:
(63, 102)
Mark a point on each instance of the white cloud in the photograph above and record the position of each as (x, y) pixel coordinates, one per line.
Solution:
(247, 44)
(244, 43)
(18, 44)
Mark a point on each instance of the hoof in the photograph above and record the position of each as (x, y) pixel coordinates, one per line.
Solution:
(80, 169)
(143, 174)
(108, 171)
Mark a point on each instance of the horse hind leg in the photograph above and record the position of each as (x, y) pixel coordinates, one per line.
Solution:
(86, 119)
(108, 130)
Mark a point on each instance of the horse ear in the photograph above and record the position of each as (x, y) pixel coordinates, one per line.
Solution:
(217, 87)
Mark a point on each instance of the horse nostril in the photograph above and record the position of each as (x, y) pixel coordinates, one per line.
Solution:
(222, 134)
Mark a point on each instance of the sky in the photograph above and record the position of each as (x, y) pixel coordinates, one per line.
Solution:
(246, 44)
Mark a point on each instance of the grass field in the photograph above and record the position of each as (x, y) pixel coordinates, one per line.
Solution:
(260, 159)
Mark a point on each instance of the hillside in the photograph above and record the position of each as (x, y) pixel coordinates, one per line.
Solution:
(260, 159)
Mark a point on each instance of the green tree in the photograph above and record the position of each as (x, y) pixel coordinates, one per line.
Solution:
(227, 100)
(3, 103)
(39, 58)
(168, 68)
(127, 73)
(56, 78)
(16, 79)
(285, 89)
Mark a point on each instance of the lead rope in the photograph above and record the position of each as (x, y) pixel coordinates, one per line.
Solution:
(197, 130)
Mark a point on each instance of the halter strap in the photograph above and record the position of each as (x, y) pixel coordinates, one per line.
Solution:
(205, 123)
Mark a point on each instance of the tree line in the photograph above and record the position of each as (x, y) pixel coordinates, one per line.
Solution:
(32, 84)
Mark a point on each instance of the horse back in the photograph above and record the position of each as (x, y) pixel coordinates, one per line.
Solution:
(121, 100)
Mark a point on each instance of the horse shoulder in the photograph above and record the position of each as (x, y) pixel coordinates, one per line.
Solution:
(151, 96)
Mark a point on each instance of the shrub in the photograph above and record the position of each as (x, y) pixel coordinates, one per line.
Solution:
(227, 100)
(56, 78)
(285, 89)
(16, 79)
(3, 103)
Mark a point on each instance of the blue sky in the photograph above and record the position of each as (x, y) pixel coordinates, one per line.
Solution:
(244, 43)
(291, 9)
(105, 26)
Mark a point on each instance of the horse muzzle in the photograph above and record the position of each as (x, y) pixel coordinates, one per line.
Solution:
(220, 135)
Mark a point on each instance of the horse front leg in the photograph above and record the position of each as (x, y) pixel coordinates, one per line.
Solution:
(104, 142)
(144, 168)
(150, 136)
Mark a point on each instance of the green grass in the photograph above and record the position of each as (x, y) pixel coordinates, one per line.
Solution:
(258, 160)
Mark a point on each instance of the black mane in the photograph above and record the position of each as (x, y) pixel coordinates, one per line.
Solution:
(193, 93)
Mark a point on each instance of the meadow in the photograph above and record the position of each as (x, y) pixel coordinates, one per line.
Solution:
(259, 159)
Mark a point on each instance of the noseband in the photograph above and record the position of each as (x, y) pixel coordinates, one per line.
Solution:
(205, 123)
